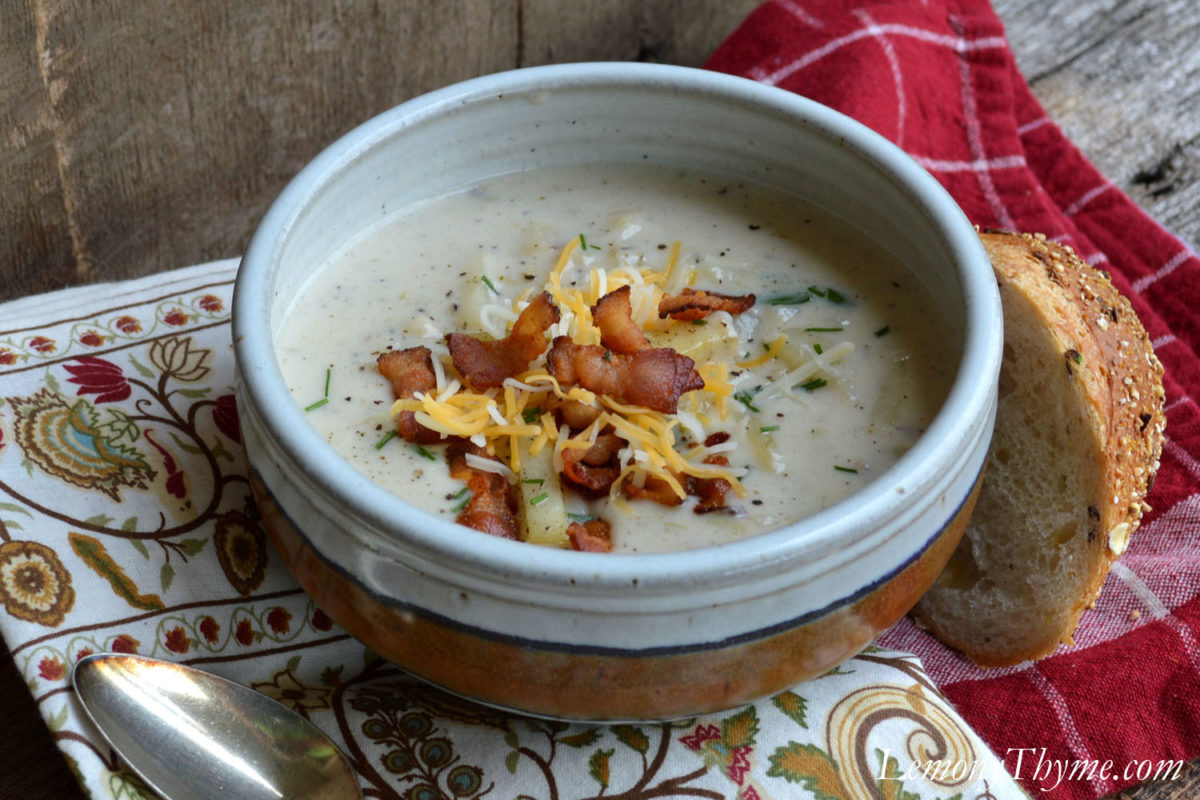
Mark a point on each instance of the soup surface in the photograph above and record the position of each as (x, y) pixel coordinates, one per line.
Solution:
(833, 373)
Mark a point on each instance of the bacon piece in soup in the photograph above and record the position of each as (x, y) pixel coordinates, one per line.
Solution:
(613, 315)
(653, 378)
(410, 371)
(711, 491)
(653, 489)
(486, 364)
(577, 415)
(592, 536)
(493, 505)
(693, 304)
(593, 470)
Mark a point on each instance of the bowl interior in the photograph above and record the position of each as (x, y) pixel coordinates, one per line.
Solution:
(631, 113)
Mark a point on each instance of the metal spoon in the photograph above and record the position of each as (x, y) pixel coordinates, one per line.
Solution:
(191, 735)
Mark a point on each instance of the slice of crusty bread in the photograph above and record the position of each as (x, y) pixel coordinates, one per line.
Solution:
(1079, 431)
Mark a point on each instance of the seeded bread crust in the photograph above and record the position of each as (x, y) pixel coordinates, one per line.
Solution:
(1079, 433)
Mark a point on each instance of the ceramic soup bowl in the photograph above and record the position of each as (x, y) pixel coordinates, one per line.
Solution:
(613, 636)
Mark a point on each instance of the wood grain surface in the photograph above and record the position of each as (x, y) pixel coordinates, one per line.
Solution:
(1122, 78)
(142, 135)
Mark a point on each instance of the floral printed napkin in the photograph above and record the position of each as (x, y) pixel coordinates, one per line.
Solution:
(126, 525)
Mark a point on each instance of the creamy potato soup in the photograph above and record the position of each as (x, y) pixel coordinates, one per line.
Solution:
(764, 362)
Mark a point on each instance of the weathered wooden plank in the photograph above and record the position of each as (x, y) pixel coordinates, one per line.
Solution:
(35, 241)
(1122, 78)
(171, 125)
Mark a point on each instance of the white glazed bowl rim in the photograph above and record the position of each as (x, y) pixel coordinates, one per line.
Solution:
(440, 540)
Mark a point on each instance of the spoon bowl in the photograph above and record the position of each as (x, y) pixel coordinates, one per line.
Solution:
(191, 735)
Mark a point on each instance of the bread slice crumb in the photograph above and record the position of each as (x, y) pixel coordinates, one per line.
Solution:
(1079, 433)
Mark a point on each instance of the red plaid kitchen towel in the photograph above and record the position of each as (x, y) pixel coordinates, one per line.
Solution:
(938, 79)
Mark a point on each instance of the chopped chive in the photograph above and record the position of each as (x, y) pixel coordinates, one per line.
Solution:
(823, 330)
(317, 404)
(834, 296)
(816, 291)
(817, 348)
(579, 517)
(541, 498)
(883, 331)
(699, 322)
(387, 437)
(815, 383)
(745, 398)
(534, 481)
(327, 374)
(845, 469)
(461, 492)
(1076, 356)
(768, 429)
(788, 300)
(488, 282)
(530, 415)
(423, 453)
(582, 242)
(607, 355)
(461, 504)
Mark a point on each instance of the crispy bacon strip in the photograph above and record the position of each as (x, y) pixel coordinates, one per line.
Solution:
(485, 364)
(593, 470)
(577, 415)
(410, 371)
(493, 505)
(653, 378)
(692, 304)
(603, 450)
(710, 492)
(592, 536)
(613, 315)
(655, 490)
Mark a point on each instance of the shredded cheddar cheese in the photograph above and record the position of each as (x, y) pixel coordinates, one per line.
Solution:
(517, 417)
